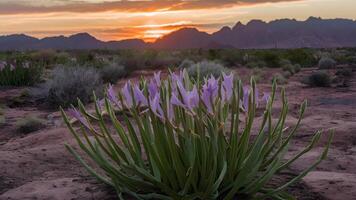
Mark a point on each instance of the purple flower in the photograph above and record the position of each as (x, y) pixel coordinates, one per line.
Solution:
(112, 96)
(126, 92)
(157, 78)
(246, 93)
(228, 84)
(177, 78)
(153, 89)
(139, 96)
(74, 113)
(190, 99)
(156, 107)
(245, 100)
(209, 93)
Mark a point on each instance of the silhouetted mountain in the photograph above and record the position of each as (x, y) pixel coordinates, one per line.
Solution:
(286, 33)
(283, 33)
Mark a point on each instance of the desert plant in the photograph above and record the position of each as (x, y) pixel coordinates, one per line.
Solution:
(113, 72)
(20, 73)
(326, 63)
(318, 79)
(344, 72)
(29, 124)
(180, 140)
(205, 69)
(69, 83)
(256, 64)
(186, 63)
(280, 78)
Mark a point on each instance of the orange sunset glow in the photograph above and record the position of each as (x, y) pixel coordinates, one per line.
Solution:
(151, 19)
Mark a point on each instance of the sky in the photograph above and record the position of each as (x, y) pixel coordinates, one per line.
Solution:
(150, 19)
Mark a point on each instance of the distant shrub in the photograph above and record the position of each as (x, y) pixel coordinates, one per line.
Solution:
(186, 63)
(206, 68)
(69, 83)
(280, 79)
(29, 124)
(20, 73)
(344, 72)
(304, 57)
(113, 72)
(326, 63)
(297, 68)
(256, 64)
(318, 79)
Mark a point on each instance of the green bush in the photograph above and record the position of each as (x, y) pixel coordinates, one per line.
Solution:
(20, 73)
(206, 68)
(113, 72)
(318, 79)
(69, 83)
(29, 124)
(186, 141)
(326, 63)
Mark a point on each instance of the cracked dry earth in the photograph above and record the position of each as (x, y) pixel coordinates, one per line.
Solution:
(37, 166)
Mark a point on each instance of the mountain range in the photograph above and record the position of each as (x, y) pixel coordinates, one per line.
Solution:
(283, 33)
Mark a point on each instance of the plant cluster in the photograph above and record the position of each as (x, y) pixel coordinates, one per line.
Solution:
(67, 84)
(19, 73)
(185, 139)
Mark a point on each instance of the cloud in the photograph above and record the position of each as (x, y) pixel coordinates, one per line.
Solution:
(85, 6)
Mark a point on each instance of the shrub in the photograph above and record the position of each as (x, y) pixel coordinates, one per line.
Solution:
(29, 124)
(186, 63)
(318, 79)
(69, 83)
(297, 68)
(113, 72)
(256, 64)
(344, 72)
(326, 63)
(206, 68)
(186, 141)
(20, 73)
(280, 79)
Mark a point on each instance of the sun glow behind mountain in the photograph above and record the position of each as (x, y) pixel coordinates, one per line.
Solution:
(151, 19)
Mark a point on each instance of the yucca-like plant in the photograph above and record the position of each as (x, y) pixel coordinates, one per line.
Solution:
(20, 73)
(179, 139)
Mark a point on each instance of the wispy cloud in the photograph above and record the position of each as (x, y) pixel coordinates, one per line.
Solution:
(83, 6)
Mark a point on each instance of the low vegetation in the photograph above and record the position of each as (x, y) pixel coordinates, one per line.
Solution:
(318, 79)
(20, 73)
(326, 63)
(206, 69)
(29, 124)
(67, 84)
(113, 72)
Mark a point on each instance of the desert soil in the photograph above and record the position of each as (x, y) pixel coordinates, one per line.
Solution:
(37, 166)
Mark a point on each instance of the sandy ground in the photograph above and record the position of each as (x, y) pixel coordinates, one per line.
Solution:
(37, 166)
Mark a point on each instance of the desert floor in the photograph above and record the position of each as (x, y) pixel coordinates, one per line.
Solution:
(37, 165)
